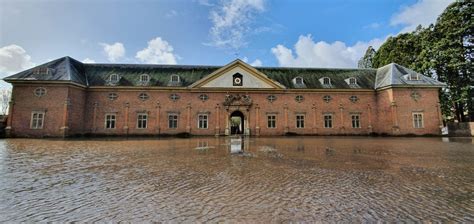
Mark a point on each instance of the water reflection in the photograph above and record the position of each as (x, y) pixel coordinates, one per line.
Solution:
(338, 179)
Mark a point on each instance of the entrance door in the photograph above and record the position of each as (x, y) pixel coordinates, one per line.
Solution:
(236, 123)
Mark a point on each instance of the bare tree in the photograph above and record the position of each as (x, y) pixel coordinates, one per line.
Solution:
(5, 97)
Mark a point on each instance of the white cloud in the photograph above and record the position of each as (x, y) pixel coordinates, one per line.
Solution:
(257, 62)
(308, 53)
(231, 21)
(13, 58)
(171, 14)
(88, 60)
(114, 51)
(158, 51)
(423, 12)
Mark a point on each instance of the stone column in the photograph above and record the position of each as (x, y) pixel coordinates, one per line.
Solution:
(125, 127)
(157, 125)
(287, 129)
(257, 123)
(227, 131)
(247, 123)
(94, 117)
(217, 128)
(369, 113)
(315, 117)
(341, 110)
(395, 127)
(440, 117)
(188, 118)
(65, 127)
(8, 128)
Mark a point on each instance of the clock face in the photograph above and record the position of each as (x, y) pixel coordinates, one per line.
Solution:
(237, 80)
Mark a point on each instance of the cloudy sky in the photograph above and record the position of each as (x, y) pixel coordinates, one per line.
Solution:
(302, 33)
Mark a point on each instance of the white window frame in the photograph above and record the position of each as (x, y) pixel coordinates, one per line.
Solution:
(300, 122)
(300, 79)
(324, 81)
(413, 77)
(418, 121)
(355, 118)
(143, 77)
(34, 122)
(330, 121)
(142, 117)
(169, 120)
(112, 80)
(352, 81)
(271, 118)
(175, 76)
(203, 121)
(114, 119)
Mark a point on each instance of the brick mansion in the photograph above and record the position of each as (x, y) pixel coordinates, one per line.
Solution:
(65, 98)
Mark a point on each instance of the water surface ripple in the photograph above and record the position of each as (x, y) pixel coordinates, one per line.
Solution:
(337, 179)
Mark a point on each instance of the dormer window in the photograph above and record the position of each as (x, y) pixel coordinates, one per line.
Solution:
(299, 81)
(114, 78)
(352, 81)
(41, 71)
(144, 78)
(326, 81)
(414, 77)
(175, 78)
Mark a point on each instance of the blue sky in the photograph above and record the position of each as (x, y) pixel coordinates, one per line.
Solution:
(302, 33)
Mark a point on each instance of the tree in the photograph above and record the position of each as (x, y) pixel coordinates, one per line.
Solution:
(442, 51)
(404, 49)
(366, 60)
(452, 57)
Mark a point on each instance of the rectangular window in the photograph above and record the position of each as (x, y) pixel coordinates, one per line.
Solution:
(37, 120)
(418, 120)
(142, 121)
(355, 121)
(299, 121)
(110, 121)
(202, 121)
(328, 121)
(173, 121)
(271, 121)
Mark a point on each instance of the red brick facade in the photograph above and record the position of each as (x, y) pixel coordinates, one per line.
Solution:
(71, 110)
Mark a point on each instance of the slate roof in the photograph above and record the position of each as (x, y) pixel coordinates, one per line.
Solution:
(397, 75)
(71, 70)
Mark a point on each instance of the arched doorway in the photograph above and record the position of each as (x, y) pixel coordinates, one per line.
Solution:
(236, 123)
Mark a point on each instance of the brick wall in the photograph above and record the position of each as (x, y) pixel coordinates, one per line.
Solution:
(87, 110)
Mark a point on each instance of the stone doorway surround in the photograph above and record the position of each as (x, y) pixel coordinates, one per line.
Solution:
(238, 104)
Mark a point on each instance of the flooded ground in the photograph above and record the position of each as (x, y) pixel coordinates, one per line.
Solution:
(273, 180)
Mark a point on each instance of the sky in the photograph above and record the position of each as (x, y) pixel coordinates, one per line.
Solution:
(288, 33)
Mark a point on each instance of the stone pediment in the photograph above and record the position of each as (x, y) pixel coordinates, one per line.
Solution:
(239, 75)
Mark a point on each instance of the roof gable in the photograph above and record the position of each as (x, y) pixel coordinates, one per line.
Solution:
(251, 78)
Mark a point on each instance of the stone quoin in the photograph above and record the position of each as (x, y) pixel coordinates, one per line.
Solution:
(65, 98)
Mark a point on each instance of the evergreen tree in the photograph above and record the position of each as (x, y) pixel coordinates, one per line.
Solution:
(366, 61)
(452, 57)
